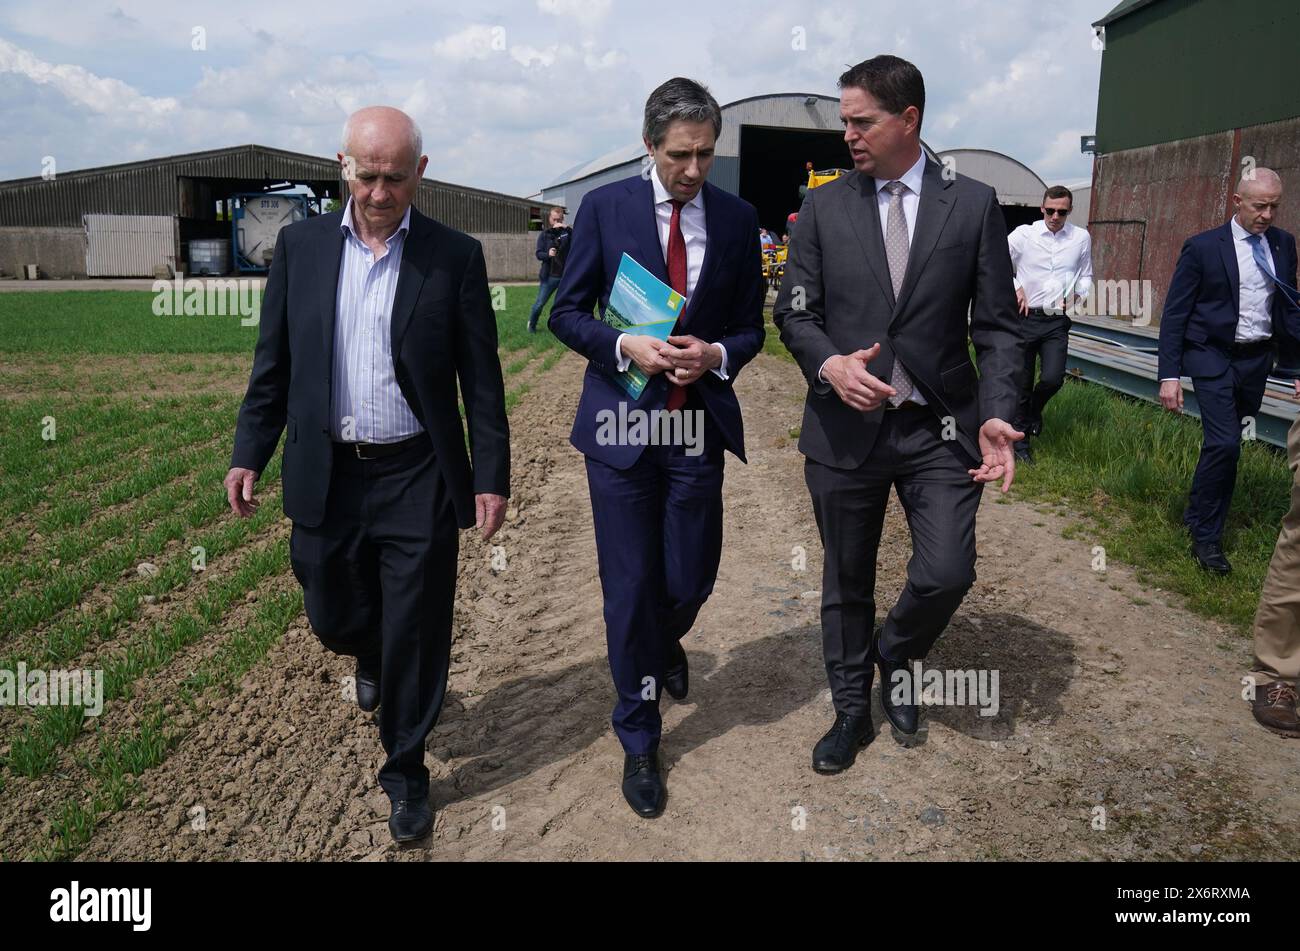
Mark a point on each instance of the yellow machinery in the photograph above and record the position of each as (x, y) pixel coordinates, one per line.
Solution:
(822, 177)
(774, 258)
(774, 265)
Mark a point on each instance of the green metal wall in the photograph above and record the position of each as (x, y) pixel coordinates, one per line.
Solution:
(1181, 68)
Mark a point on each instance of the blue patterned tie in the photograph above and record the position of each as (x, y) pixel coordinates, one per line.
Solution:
(1256, 242)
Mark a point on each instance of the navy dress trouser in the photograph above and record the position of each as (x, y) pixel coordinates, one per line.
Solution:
(658, 542)
(1225, 401)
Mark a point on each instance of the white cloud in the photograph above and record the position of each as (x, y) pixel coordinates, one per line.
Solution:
(510, 95)
(476, 41)
(81, 87)
(583, 9)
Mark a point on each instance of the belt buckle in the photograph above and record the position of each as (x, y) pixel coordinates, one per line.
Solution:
(358, 451)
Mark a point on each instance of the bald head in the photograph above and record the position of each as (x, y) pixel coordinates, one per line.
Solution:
(1256, 199)
(382, 127)
(1260, 179)
(382, 162)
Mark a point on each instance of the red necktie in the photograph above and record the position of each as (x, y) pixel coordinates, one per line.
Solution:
(677, 278)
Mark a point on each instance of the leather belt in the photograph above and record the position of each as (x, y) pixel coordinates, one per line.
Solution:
(906, 404)
(1252, 348)
(378, 450)
(1043, 312)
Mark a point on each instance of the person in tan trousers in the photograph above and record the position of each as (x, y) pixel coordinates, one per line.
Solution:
(1277, 620)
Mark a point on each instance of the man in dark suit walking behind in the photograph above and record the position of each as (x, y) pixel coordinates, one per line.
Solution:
(884, 267)
(1232, 293)
(369, 319)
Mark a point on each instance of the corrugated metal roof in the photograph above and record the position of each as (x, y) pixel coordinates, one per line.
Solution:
(1014, 182)
(628, 153)
(152, 187)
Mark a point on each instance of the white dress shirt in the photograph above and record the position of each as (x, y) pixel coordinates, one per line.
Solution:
(912, 180)
(695, 234)
(1050, 267)
(1255, 295)
(364, 385)
(1255, 303)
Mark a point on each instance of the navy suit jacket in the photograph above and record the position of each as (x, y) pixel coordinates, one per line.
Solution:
(726, 306)
(443, 331)
(1199, 322)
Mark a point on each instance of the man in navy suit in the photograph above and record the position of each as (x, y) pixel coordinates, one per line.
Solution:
(657, 508)
(1232, 293)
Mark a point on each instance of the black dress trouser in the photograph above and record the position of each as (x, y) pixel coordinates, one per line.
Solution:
(1046, 337)
(940, 499)
(379, 578)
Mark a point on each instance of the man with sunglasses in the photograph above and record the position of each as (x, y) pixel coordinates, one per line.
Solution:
(1053, 265)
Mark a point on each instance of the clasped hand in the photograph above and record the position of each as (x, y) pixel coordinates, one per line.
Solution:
(685, 358)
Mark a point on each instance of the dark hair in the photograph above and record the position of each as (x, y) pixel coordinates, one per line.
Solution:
(1059, 191)
(892, 81)
(683, 99)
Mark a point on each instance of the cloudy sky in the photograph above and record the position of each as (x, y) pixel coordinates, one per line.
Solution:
(510, 93)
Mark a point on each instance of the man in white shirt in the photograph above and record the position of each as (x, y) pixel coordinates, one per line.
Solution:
(1053, 265)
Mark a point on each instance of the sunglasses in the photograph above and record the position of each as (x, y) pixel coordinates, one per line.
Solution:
(1053, 212)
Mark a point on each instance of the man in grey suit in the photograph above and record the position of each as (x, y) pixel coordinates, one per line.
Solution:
(884, 269)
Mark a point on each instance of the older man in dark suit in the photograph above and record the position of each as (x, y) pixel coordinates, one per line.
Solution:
(884, 268)
(369, 319)
(1232, 296)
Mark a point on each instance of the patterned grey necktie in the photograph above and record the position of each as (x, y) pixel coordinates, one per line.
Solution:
(896, 247)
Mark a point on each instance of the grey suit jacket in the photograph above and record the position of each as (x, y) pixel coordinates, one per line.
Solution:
(836, 297)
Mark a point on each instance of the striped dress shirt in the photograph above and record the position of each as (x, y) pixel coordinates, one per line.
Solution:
(367, 404)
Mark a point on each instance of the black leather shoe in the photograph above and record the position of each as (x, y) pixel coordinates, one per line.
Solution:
(1024, 453)
(411, 819)
(836, 751)
(677, 678)
(643, 786)
(1209, 555)
(903, 716)
(367, 684)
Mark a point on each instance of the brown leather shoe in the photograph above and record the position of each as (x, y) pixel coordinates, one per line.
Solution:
(1274, 707)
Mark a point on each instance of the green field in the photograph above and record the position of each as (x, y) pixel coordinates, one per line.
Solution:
(105, 524)
(103, 521)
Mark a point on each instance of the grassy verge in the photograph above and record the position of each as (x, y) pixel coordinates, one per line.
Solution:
(1120, 468)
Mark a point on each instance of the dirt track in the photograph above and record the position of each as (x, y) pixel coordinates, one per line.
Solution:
(1112, 695)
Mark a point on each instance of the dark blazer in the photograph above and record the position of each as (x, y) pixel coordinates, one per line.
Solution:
(443, 330)
(836, 297)
(1199, 322)
(547, 238)
(726, 306)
